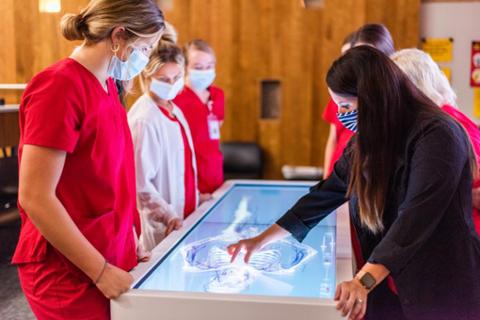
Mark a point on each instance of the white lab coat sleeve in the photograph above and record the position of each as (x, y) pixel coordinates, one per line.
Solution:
(147, 163)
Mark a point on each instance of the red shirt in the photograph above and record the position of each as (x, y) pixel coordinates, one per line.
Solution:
(207, 151)
(189, 176)
(474, 135)
(343, 134)
(64, 107)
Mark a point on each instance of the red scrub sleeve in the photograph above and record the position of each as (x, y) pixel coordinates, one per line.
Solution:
(330, 113)
(52, 118)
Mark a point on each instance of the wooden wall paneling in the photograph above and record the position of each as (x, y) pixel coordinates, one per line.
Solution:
(201, 18)
(9, 130)
(312, 31)
(32, 42)
(223, 35)
(179, 17)
(428, 1)
(277, 39)
(48, 40)
(375, 12)
(227, 48)
(408, 23)
(7, 54)
(254, 40)
(271, 36)
(319, 129)
(270, 141)
(269, 66)
(66, 47)
(296, 116)
(39, 41)
(26, 15)
(337, 23)
(245, 108)
(287, 30)
(217, 22)
(400, 16)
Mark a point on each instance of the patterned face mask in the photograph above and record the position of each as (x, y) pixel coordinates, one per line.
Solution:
(349, 119)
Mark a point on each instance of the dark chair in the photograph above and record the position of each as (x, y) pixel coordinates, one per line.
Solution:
(8, 179)
(242, 160)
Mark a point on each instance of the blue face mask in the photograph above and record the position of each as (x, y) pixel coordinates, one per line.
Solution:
(349, 120)
(127, 70)
(201, 79)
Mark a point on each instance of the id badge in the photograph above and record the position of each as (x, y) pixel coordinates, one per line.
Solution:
(213, 127)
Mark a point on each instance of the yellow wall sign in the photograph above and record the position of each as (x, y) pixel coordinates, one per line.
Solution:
(440, 49)
(476, 102)
(448, 72)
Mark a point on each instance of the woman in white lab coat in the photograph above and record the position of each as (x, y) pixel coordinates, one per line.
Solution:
(164, 154)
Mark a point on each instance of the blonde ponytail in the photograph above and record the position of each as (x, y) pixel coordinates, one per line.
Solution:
(71, 27)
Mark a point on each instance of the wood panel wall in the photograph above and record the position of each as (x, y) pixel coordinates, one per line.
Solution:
(254, 40)
(279, 39)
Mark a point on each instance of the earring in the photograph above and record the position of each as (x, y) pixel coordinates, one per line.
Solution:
(115, 48)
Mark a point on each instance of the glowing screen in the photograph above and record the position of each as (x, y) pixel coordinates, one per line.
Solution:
(200, 262)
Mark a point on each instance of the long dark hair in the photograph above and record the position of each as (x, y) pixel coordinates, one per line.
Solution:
(388, 106)
(376, 35)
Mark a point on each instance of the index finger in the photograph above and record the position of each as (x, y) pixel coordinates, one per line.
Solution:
(236, 251)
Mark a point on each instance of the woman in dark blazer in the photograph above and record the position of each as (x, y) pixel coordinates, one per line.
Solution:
(407, 175)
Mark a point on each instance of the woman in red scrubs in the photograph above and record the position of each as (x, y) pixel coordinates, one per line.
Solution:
(77, 178)
(375, 35)
(338, 135)
(203, 106)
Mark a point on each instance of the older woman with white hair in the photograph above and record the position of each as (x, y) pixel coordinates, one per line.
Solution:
(427, 76)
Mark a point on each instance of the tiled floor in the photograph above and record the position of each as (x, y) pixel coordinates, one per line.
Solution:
(13, 305)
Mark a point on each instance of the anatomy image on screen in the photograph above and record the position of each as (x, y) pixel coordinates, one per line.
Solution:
(280, 257)
(199, 261)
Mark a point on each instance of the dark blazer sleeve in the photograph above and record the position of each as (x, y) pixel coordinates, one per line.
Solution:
(439, 156)
(322, 199)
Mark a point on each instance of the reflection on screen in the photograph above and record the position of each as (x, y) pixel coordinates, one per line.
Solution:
(200, 262)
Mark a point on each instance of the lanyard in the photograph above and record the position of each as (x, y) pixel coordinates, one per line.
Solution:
(213, 123)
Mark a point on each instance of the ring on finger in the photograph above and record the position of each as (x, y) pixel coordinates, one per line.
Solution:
(359, 301)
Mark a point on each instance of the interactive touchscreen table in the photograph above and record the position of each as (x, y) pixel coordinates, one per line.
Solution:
(190, 275)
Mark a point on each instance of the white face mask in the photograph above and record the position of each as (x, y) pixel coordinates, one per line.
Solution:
(127, 70)
(166, 91)
(201, 79)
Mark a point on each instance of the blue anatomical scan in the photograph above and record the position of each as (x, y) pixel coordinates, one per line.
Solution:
(200, 262)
